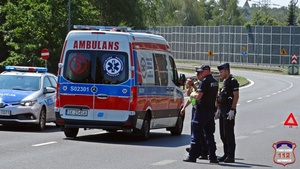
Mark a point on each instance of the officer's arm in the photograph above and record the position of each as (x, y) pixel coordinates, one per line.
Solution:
(217, 102)
(235, 99)
(197, 95)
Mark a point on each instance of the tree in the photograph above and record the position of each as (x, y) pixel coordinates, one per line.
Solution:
(32, 25)
(291, 14)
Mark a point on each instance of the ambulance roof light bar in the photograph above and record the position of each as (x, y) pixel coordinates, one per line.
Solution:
(101, 28)
(110, 28)
(26, 69)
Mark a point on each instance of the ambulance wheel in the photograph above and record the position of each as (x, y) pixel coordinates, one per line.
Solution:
(42, 120)
(145, 131)
(71, 132)
(177, 130)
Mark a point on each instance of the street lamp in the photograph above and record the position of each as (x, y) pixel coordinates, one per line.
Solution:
(184, 31)
(294, 25)
(222, 13)
(69, 15)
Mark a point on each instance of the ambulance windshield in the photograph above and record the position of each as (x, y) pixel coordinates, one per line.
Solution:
(100, 67)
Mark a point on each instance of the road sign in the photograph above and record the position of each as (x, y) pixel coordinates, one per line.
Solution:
(210, 53)
(244, 53)
(244, 48)
(294, 59)
(45, 54)
(293, 69)
(283, 52)
(291, 121)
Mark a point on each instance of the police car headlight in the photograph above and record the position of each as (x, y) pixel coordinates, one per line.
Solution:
(28, 103)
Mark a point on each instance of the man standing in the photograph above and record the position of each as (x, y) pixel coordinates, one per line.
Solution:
(203, 119)
(191, 88)
(227, 101)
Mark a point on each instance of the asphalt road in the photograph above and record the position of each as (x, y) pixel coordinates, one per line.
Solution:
(263, 107)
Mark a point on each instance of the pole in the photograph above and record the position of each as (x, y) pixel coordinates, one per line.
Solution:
(294, 27)
(220, 27)
(69, 15)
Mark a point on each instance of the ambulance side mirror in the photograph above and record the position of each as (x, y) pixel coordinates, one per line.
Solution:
(182, 80)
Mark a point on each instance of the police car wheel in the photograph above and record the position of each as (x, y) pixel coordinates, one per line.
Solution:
(177, 130)
(71, 132)
(42, 120)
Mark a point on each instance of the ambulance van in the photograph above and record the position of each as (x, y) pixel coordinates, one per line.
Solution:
(115, 80)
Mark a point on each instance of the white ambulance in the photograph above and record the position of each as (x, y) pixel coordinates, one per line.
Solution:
(114, 80)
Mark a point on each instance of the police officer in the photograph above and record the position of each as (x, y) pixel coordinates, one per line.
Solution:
(191, 88)
(227, 101)
(203, 119)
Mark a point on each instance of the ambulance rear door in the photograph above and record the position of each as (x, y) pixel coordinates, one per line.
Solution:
(94, 83)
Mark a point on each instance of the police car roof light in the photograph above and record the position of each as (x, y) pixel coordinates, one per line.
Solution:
(26, 69)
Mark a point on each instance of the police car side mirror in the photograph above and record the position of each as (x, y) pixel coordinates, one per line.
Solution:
(49, 90)
(182, 80)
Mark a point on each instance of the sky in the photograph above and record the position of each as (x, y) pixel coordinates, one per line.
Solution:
(277, 2)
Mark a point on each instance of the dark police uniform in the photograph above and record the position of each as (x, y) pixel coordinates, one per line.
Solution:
(203, 120)
(225, 99)
(203, 148)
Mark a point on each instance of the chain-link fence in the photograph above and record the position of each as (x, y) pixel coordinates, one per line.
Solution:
(259, 45)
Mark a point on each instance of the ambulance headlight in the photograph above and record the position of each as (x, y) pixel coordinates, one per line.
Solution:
(28, 103)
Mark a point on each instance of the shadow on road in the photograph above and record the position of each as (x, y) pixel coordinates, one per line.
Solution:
(238, 164)
(28, 128)
(156, 139)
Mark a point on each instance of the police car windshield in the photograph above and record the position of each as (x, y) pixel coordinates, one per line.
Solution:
(100, 67)
(16, 82)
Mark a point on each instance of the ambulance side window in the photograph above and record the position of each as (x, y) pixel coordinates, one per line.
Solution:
(173, 70)
(161, 70)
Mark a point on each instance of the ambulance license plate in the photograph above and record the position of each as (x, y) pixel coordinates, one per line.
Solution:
(4, 112)
(76, 112)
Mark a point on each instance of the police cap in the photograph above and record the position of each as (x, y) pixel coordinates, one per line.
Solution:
(224, 66)
(200, 69)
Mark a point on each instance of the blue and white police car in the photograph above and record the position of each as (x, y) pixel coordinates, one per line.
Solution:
(27, 96)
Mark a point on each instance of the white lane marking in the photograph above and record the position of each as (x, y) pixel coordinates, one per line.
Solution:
(272, 126)
(257, 131)
(274, 93)
(249, 101)
(164, 162)
(241, 137)
(267, 95)
(279, 91)
(43, 144)
(249, 85)
(259, 98)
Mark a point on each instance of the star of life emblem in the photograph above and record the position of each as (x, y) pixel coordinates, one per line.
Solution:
(284, 152)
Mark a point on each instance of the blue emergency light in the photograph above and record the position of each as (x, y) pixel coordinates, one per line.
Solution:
(26, 69)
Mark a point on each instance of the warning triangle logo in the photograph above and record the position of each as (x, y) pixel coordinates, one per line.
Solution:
(291, 121)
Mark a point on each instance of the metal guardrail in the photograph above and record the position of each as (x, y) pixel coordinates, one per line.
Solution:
(190, 65)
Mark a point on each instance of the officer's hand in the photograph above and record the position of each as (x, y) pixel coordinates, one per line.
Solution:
(182, 112)
(217, 114)
(230, 115)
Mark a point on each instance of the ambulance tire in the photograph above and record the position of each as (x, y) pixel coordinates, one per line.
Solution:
(177, 130)
(42, 120)
(71, 132)
(144, 133)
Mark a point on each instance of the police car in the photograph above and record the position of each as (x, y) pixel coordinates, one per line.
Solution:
(27, 96)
